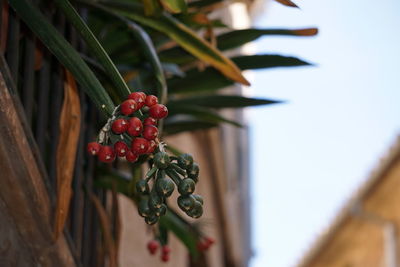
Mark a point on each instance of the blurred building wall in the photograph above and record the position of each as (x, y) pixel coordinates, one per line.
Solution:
(367, 232)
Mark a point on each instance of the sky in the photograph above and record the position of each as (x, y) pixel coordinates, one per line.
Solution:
(309, 155)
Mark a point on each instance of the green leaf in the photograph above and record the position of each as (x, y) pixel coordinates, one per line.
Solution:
(95, 47)
(182, 125)
(238, 38)
(222, 101)
(184, 36)
(201, 113)
(233, 39)
(65, 53)
(151, 7)
(174, 6)
(181, 229)
(211, 80)
(267, 61)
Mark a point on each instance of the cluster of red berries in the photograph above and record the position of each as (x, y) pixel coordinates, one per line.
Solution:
(129, 119)
(205, 243)
(153, 246)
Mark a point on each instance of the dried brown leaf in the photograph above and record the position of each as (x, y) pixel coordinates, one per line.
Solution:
(70, 121)
(287, 3)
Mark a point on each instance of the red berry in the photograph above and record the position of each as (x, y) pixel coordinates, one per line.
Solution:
(152, 246)
(131, 157)
(106, 154)
(119, 126)
(150, 132)
(166, 249)
(158, 111)
(150, 121)
(140, 145)
(139, 98)
(152, 147)
(93, 148)
(128, 107)
(121, 148)
(135, 126)
(201, 246)
(209, 241)
(151, 100)
(165, 257)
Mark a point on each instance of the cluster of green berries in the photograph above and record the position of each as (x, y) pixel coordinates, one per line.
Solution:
(168, 172)
(136, 117)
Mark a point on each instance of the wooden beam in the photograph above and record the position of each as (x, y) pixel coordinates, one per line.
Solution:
(24, 197)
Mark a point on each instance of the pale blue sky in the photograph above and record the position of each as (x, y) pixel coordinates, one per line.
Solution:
(310, 154)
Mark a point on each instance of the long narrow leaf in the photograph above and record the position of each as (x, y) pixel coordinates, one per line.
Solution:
(178, 126)
(199, 112)
(222, 101)
(287, 3)
(184, 36)
(64, 52)
(147, 46)
(95, 47)
(174, 6)
(211, 80)
(238, 38)
(233, 39)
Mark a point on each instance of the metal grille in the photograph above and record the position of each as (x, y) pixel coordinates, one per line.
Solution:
(39, 79)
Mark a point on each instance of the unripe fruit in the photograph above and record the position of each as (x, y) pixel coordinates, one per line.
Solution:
(106, 154)
(193, 171)
(140, 146)
(161, 160)
(142, 187)
(152, 246)
(151, 100)
(185, 161)
(93, 148)
(186, 186)
(165, 187)
(139, 98)
(143, 208)
(150, 121)
(128, 107)
(198, 198)
(150, 132)
(152, 147)
(131, 156)
(152, 219)
(121, 148)
(161, 210)
(119, 126)
(155, 202)
(135, 126)
(158, 111)
(186, 203)
(197, 210)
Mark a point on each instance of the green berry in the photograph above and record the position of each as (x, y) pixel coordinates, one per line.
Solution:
(197, 210)
(151, 219)
(186, 186)
(155, 201)
(186, 203)
(142, 187)
(161, 211)
(161, 160)
(164, 187)
(198, 198)
(193, 172)
(185, 161)
(144, 209)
